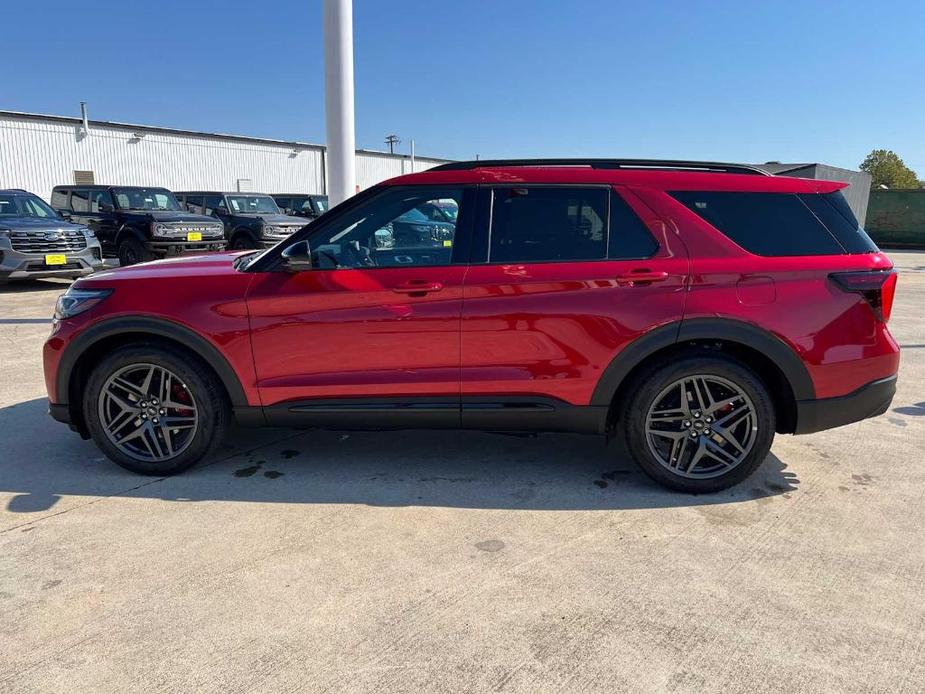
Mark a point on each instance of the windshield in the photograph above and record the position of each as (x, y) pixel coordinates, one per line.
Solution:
(24, 206)
(145, 199)
(252, 204)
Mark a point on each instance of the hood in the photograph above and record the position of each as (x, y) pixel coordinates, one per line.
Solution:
(37, 224)
(211, 264)
(275, 219)
(167, 216)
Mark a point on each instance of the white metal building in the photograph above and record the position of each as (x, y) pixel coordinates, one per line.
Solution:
(38, 152)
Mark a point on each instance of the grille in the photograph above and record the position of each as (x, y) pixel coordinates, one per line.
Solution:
(180, 229)
(47, 241)
(40, 267)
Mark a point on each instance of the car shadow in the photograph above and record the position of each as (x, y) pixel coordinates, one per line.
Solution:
(37, 285)
(43, 462)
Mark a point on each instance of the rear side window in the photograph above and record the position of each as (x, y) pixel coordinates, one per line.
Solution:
(59, 199)
(770, 224)
(548, 224)
(833, 211)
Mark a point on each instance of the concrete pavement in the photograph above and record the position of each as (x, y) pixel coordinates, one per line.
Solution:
(424, 561)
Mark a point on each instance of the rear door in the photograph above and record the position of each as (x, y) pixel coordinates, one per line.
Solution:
(562, 279)
(101, 217)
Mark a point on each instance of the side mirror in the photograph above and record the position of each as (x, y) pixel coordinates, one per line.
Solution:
(64, 214)
(297, 257)
(106, 207)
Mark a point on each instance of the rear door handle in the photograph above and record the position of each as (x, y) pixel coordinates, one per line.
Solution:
(418, 287)
(641, 277)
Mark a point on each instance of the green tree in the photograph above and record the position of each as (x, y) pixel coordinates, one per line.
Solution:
(887, 169)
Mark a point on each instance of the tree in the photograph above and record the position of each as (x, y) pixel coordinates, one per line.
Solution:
(887, 169)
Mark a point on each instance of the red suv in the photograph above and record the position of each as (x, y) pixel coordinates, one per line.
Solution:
(693, 308)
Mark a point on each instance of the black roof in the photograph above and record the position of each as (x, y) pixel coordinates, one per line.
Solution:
(219, 192)
(100, 186)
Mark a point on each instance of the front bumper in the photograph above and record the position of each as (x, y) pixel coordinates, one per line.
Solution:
(162, 249)
(15, 265)
(869, 400)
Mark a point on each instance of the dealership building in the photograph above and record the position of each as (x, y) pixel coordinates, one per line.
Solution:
(40, 151)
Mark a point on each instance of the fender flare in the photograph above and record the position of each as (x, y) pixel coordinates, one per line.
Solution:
(243, 229)
(156, 327)
(726, 329)
(126, 230)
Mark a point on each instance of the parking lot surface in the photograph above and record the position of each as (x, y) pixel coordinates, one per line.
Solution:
(429, 561)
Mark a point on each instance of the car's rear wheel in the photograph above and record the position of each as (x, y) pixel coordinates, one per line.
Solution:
(132, 251)
(701, 424)
(154, 409)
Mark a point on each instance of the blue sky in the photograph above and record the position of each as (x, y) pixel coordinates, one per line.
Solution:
(743, 81)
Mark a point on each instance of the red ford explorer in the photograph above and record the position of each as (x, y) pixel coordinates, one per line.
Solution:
(693, 308)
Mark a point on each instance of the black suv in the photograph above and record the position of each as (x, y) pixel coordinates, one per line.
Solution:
(138, 223)
(36, 242)
(252, 220)
(302, 205)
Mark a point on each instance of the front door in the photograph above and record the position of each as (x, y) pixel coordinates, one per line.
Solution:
(562, 279)
(371, 332)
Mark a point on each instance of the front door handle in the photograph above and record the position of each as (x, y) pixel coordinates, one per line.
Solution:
(641, 277)
(418, 287)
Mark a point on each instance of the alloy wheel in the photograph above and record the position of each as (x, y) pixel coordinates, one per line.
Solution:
(148, 412)
(701, 426)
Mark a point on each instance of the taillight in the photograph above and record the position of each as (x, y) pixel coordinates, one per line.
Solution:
(876, 286)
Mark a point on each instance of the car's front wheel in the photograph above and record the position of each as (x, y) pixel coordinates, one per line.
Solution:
(132, 251)
(154, 409)
(701, 424)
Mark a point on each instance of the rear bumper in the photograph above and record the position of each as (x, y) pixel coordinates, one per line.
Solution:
(869, 400)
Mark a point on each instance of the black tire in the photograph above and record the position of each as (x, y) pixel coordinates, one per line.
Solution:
(656, 381)
(208, 394)
(243, 242)
(132, 251)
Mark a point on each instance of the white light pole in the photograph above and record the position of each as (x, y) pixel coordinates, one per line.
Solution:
(338, 99)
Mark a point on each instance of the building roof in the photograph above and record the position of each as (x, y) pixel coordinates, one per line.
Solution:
(295, 144)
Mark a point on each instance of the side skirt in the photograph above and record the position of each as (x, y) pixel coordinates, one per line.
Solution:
(476, 413)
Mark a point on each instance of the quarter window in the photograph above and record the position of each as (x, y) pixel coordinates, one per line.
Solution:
(537, 224)
(629, 237)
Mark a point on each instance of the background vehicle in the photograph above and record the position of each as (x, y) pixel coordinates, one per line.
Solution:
(252, 220)
(694, 309)
(138, 223)
(36, 242)
(301, 205)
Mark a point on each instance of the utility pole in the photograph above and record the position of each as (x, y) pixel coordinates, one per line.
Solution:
(338, 99)
(391, 141)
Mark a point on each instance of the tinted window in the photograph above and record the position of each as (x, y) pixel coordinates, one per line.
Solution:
(59, 199)
(535, 224)
(283, 203)
(772, 224)
(194, 203)
(213, 203)
(98, 197)
(390, 230)
(80, 201)
(629, 237)
(833, 211)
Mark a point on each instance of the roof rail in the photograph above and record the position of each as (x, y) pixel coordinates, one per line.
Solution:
(653, 164)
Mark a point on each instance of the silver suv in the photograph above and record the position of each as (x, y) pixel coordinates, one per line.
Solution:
(36, 242)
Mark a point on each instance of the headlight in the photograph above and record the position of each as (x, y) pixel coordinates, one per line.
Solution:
(87, 232)
(4, 233)
(76, 301)
(159, 229)
(273, 231)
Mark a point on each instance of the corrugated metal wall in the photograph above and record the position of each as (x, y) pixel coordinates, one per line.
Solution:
(38, 153)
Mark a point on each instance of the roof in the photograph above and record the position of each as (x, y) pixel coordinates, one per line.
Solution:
(662, 179)
(104, 186)
(294, 144)
(218, 192)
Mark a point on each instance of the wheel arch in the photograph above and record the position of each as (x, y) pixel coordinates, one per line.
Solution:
(88, 348)
(773, 360)
(126, 231)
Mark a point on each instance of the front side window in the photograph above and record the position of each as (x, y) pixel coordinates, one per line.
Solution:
(548, 224)
(194, 203)
(145, 199)
(390, 230)
(215, 204)
(251, 204)
(100, 197)
(24, 206)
